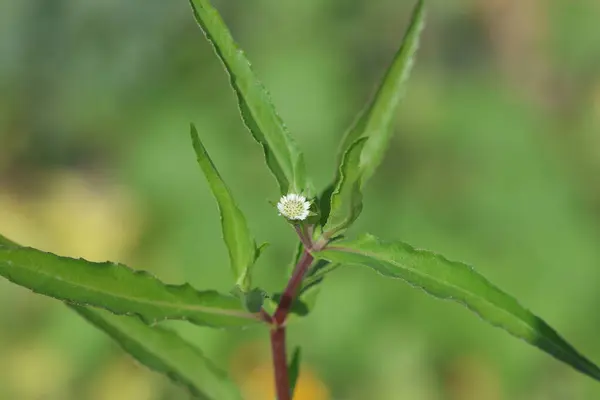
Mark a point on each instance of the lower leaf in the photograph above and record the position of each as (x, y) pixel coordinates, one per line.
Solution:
(457, 282)
(118, 289)
(164, 351)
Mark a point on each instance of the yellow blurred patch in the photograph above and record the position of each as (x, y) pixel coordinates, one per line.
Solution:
(35, 371)
(73, 216)
(124, 380)
(254, 374)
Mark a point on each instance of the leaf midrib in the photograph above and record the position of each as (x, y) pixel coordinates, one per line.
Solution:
(204, 309)
(495, 306)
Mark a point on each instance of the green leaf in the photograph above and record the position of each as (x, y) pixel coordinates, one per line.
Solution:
(294, 370)
(164, 351)
(325, 201)
(298, 251)
(159, 349)
(299, 307)
(252, 300)
(317, 274)
(7, 242)
(458, 282)
(346, 198)
(260, 249)
(376, 121)
(118, 289)
(240, 244)
(281, 153)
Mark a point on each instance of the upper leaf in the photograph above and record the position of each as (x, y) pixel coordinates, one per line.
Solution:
(346, 199)
(281, 153)
(458, 282)
(118, 289)
(376, 121)
(239, 241)
(164, 351)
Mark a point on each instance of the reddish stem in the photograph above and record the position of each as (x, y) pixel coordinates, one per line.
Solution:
(304, 236)
(288, 296)
(265, 316)
(282, 381)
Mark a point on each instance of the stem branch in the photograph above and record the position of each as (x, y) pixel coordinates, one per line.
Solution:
(304, 236)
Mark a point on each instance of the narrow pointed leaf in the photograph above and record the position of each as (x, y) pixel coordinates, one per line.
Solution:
(294, 370)
(118, 289)
(458, 282)
(159, 349)
(311, 288)
(317, 274)
(240, 244)
(346, 199)
(376, 121)
(259, 115)
(260, 249)
(164, 351)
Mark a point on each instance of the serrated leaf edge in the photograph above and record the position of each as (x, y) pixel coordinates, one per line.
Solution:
(144, 275)
(594, 371)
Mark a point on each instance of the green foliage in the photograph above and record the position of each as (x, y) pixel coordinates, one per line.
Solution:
(346, 198)
(240, 244)
(458, 282)
(294, 369)
(164, 351)
(252, 299)
(128, 304)
(159, 349)
(119, 289)
(267, 128)
(376, 121)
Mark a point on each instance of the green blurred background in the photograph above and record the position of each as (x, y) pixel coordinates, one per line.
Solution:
(495, 162)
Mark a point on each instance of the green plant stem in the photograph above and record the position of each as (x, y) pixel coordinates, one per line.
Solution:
(282, 380)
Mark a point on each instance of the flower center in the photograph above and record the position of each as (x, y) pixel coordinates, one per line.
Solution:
(293, 208)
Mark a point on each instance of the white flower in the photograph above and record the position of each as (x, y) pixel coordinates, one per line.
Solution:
(293, 206)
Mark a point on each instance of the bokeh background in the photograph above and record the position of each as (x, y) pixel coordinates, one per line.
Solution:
(495, 162)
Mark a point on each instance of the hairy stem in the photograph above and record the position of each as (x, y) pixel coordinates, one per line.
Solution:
(282, 380)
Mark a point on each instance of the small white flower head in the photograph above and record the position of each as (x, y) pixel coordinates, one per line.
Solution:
(294, 206)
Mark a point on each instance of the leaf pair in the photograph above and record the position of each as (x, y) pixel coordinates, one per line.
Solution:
(361, 151)
(119, 290)
(283, 158)
(164, 351)
(365, 143)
